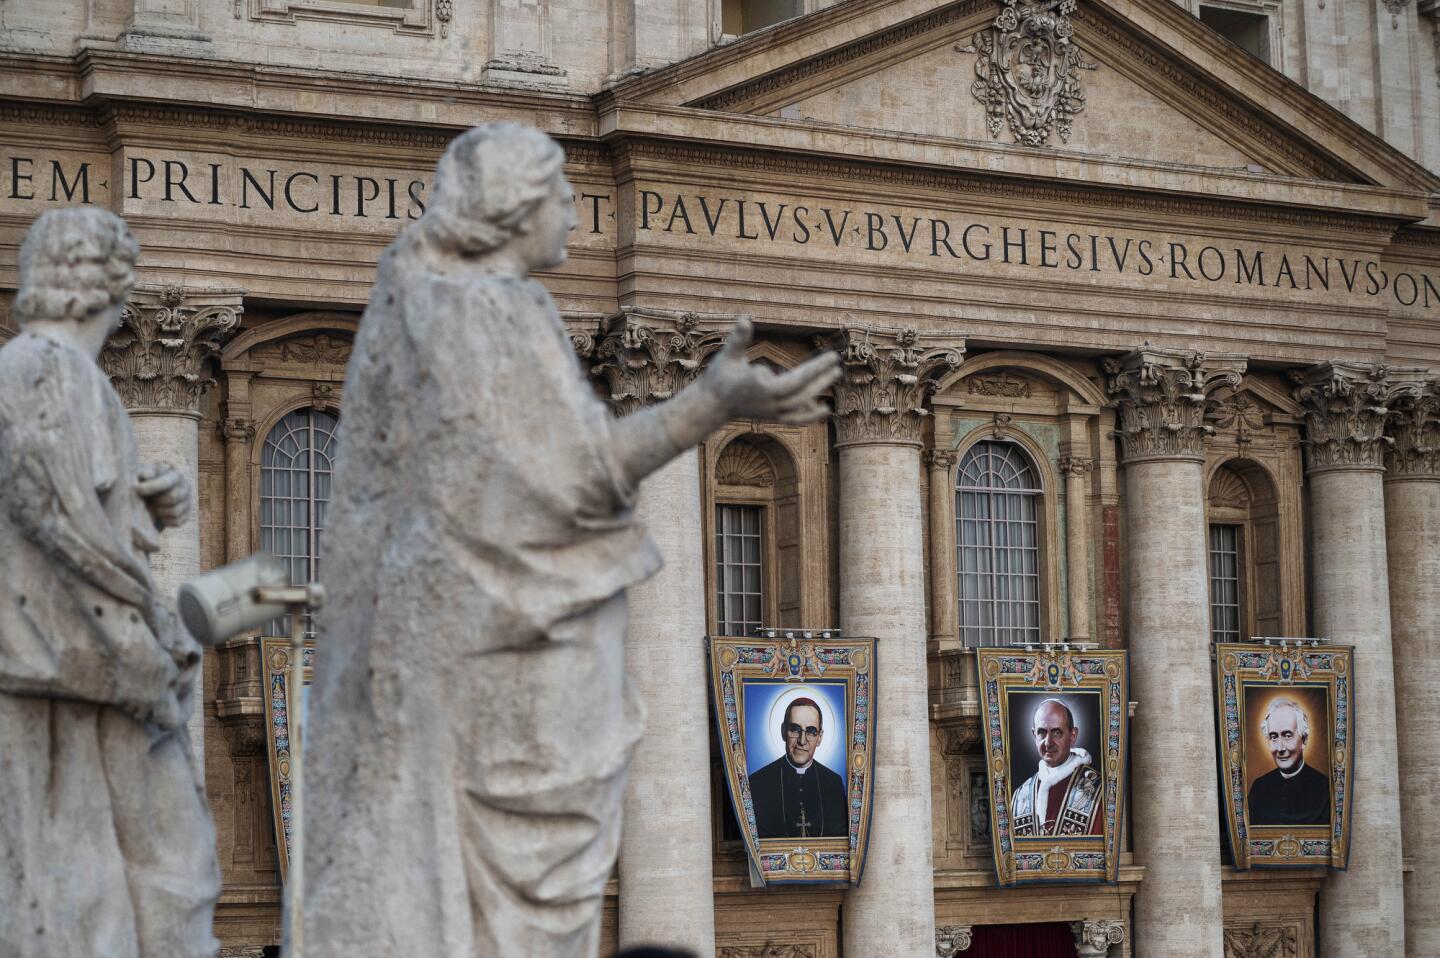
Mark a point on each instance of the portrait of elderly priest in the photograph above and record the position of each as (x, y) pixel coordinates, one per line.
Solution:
(1291, 793)
(1063, 796)
(795, 796)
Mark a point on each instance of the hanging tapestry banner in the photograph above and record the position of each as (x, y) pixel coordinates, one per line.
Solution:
(796, 719)
(1055, 738)
(280, 703)
(1286, 728)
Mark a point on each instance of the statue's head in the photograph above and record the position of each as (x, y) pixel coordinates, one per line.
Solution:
(76, 265)
(502, 186)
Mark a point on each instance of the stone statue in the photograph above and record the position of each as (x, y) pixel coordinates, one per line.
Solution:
(106, 844)
(471, 717)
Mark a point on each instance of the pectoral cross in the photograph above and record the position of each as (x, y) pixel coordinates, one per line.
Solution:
(803, 823)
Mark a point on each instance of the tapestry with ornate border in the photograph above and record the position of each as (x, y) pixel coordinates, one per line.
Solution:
(1286, 731)
(275, 654)
(1055, 738)
(796, 721)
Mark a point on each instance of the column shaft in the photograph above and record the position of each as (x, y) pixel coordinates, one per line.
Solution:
(943, 631)
(1173, 792)
(882, 594)
(1077, 547)
(666, 861)
(1412, 536)
(1362, 908)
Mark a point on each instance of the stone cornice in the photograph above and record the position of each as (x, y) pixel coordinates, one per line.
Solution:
(886, 375)
(1162, 396)
(157, 360)
(1413, 428)
(646, 356)
(1346, 407)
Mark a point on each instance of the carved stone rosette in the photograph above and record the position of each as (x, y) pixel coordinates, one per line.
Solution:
(157, 359)
(1028, 70)
(1162, 395)
(885, 376)
(1346, 407)
(645, 356)
(1414, 431)
(951, 940)
(1094, 938)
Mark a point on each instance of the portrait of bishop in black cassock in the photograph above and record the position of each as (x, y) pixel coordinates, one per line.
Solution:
(795, 796)
(1291, 793)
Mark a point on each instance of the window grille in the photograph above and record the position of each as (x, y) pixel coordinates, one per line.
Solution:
(1224, 583)
(997, 497)
(295, 469)
(739, 595)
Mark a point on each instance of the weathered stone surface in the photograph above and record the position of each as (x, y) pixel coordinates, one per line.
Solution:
(107, 840)
(473, 720)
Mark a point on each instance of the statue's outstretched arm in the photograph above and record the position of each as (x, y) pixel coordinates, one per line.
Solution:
(730, 388)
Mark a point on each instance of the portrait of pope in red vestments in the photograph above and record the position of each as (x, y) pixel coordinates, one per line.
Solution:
(1062, 797)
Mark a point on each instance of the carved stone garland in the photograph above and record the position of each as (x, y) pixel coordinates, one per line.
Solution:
(1260, 941)
(157, 358)
(886, 375)
(1346, 406)
(646, 357)
(1162, 395)
(1029, 70)
(1414, 431)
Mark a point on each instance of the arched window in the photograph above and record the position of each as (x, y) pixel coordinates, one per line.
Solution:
(295, 468)
(997, 499)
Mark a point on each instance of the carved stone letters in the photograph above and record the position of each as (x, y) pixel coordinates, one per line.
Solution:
(1029, 70)
(886, 376)
(1162, 395)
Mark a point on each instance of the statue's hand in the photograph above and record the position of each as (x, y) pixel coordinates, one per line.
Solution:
(166, 493)
(752, 391)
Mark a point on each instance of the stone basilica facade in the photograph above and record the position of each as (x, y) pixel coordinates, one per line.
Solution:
(1139, 311)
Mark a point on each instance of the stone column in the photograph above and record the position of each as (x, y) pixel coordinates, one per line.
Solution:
(1361, 909)
(1077, 545)
(157, 361)
(666, 851)
(944, 633)
(1412, 536)
(878, 416)
(1162, 396)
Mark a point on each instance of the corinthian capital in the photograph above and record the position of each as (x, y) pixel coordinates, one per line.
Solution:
(646, 356)
(1413, 428)
(885, 376)
(1346, 406)
(157, 358)
(1162, 395)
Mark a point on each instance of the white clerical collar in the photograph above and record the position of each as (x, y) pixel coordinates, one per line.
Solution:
(1298, 769)
(799, 769)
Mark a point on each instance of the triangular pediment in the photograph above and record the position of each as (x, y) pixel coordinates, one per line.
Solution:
(942, 71)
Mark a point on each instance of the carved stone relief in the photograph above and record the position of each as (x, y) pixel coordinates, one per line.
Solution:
(951, 940)
(157, 359)
(767, 950)
(1094, 938)
(887, 373)
(1162, 395)
(1413, 428)
(1243, 415)
(741, 464)
(1002, 385)
(1262, 941)
(1028, 70)
(1346, 406)
(322, 348)
(647, 356)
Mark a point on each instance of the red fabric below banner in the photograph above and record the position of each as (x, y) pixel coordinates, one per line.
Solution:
(1050, 940)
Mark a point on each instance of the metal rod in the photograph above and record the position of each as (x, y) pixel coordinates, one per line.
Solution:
(295, 886)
